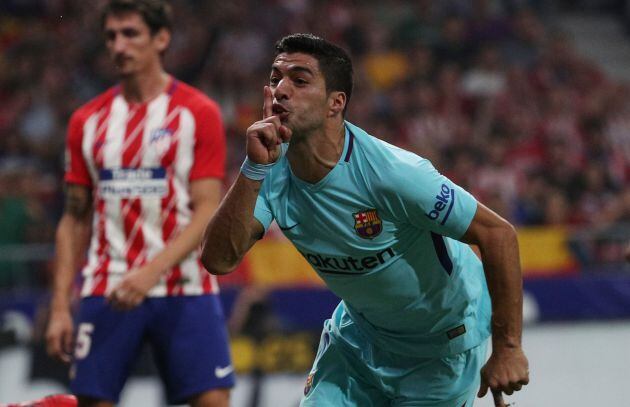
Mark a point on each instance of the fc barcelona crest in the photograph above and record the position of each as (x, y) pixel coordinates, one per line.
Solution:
(367, 223)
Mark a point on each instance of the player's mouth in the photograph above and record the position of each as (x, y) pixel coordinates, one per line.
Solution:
(280, 111)
(121, 61)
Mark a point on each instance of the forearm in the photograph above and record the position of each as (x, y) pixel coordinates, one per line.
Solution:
(500, 258)
(185, 242)
(231, 232)
(70, 241)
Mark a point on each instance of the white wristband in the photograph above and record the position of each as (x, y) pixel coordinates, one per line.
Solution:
(258, 172)
(255, 171)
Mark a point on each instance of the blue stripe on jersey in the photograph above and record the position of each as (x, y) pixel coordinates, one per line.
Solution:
(350, 145)
(442, 253)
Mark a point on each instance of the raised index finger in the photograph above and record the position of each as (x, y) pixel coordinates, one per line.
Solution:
(267, 103)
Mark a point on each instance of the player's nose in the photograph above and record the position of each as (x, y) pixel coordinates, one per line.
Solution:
(282, 90)
(118, 44)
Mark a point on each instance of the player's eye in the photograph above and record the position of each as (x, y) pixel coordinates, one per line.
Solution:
(110, 35)
(130, 32)
(301, 81)
(274, 80)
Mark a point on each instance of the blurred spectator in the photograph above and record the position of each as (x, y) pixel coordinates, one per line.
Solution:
(23, 220)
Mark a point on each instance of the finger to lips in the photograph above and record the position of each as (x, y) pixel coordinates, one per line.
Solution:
(267, 103)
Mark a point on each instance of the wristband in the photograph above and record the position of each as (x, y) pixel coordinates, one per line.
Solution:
(255, 171)
(258, 172)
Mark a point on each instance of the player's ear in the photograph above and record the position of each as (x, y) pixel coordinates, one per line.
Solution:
(162, 39)
(336, 102)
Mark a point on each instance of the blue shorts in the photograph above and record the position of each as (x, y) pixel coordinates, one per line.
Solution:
(352, 372)
(187, 336)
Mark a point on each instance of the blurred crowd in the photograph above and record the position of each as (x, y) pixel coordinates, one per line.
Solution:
(489, 91)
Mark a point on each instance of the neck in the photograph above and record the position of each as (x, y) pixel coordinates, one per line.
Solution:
(144, 86)
(312, 156)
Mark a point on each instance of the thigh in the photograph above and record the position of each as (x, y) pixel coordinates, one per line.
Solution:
(107, 342)
(452, 381)
(338, 378)
(190, 344)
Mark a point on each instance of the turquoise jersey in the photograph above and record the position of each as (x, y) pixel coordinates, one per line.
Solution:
(380, 229)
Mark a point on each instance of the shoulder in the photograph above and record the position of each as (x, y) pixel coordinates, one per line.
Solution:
(194, 100)
(384, 163)
(94, 105)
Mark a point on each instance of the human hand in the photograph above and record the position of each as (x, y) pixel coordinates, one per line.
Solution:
(506, 371)
(60, 335)
(265, 136)
(133, 288)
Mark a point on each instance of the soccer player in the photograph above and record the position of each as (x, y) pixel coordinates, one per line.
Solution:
(388, 234)
(144, 166)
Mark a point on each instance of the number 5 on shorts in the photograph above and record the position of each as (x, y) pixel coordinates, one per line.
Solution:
(84, 340)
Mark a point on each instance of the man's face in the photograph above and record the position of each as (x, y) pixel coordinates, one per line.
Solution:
(299, 91)
(130, 43)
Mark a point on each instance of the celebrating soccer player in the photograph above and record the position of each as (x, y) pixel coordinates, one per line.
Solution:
(388, 234)
(144, 166)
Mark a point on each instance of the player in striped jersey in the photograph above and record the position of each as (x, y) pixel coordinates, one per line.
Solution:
(144, 164)
(388, 234)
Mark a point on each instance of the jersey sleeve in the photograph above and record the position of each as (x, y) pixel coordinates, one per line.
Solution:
(209, 151)
(422, 196)
(76, 171)
(262, 210)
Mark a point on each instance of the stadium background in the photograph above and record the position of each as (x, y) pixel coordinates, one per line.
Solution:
(524, 103)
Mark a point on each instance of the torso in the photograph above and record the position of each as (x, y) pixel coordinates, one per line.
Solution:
(139, 160)
(394, 273)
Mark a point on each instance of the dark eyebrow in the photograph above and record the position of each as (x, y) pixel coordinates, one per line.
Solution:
(295, 69)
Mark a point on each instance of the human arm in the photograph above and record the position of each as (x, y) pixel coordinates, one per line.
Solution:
(507, 369)
(205, 194)
(71, 238)
(234, 229)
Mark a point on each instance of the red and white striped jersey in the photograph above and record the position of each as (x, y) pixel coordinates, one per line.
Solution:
(139, 160)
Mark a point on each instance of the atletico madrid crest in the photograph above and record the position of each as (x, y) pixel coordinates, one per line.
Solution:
(367, 223)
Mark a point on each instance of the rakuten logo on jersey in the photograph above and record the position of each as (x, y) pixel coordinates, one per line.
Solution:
(444, 201)
(348, 265)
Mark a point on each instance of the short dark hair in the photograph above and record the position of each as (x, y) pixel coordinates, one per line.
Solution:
(157, 14)
(334, 62)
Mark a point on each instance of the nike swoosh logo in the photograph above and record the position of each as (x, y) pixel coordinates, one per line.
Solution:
(221, 372)
(290, 227)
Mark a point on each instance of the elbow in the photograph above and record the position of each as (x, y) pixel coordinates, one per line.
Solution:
(509, 231)
(217, 271)
(500, 233)
(503, 234)
(213, 267)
